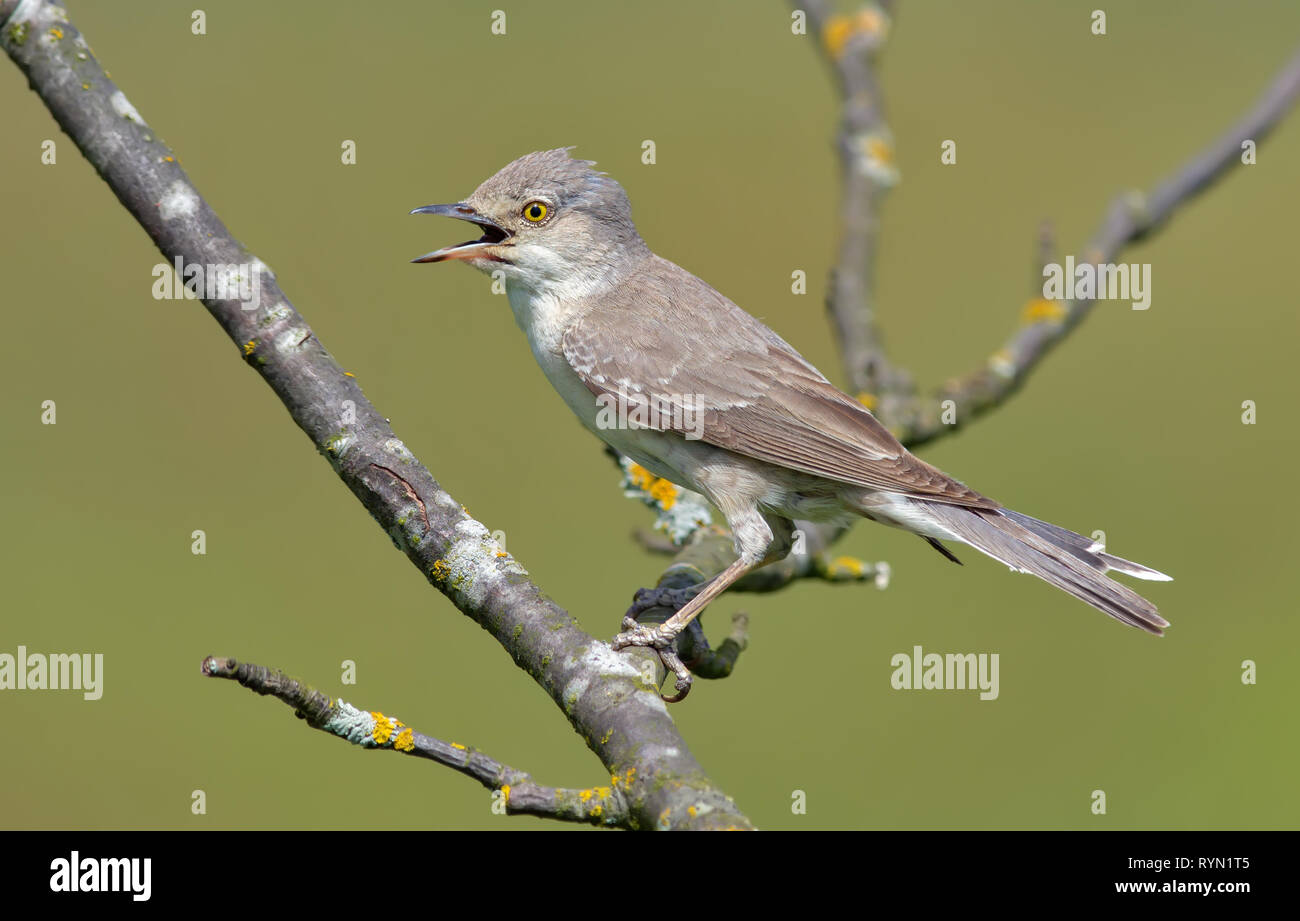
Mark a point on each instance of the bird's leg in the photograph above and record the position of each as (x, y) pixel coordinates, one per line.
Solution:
(760, 539)
(663, 637)
(693, 599)
(672, 599)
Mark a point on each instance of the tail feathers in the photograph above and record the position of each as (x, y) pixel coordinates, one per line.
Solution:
(1069, 561)
(1136, 570)
(1068, 540)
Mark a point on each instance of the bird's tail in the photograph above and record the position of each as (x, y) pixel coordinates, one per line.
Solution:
(1069, 561)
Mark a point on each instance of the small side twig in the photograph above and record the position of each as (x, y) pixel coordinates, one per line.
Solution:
(1132, 216)
(520, 795)
(710, 549)
(701, 550)
(850, 44)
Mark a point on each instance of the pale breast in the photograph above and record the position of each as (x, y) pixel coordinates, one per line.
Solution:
(544, 319)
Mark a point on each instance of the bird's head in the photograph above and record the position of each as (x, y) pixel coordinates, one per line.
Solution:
(547, 220)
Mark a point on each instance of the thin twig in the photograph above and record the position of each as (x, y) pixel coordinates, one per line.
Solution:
(701, 550)
(850, 44)
(519, 794)
(1132, 217)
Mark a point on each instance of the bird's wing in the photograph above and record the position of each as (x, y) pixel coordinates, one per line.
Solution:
(666, 341)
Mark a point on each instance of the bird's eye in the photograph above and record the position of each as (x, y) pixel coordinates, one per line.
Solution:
(535, 212)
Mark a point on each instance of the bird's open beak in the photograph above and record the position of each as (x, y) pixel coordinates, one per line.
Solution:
(494, 235)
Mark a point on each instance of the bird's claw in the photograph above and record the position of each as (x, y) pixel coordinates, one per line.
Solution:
(662, 640)
(654, 636)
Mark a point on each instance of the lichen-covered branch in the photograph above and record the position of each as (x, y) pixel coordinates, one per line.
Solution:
(710, 550)
(1132, 216)
(611, 700)
(518, 794)
(850, 44)
(701, 550)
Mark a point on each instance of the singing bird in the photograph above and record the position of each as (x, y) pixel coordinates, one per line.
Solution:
(722, 404)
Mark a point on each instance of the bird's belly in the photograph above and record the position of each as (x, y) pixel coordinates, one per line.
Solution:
(662, 454)
(543, 321)
(697, 465)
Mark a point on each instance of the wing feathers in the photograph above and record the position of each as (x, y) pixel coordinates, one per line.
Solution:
(667, 339)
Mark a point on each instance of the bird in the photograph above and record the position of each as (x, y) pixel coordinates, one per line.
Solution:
(710, 398)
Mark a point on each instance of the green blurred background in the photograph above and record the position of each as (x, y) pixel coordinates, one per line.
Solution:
(1132, 427)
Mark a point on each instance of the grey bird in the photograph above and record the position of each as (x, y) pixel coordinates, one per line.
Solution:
(717, 402)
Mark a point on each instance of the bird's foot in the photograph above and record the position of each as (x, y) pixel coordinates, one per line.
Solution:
(662, 638)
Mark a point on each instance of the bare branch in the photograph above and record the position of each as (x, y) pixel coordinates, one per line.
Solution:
(612, 702)
(520, 795)
(1132, 217)
(709, 551)
(702, 550)
(850, 44)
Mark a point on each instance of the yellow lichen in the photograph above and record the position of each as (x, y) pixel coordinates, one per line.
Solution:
(459, 747)
(405, 741)
(839, 29)
(56, 33)
(249, 346)
(665, 493)
(383, 730)
(640, 477)
(866, 399)
(847, 564)
(606, 737)
(1040, 308)
(660, 490)
(440, 570)
(348, 374)
(505, 793)
(879, 150)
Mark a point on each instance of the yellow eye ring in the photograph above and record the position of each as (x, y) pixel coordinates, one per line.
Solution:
(535, 212)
